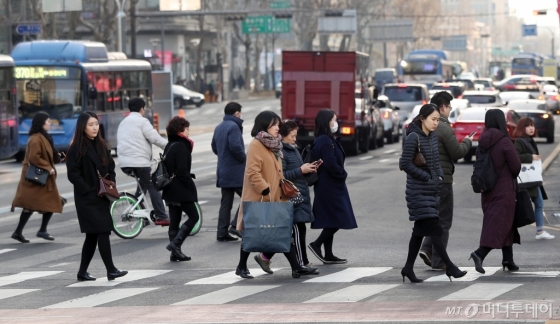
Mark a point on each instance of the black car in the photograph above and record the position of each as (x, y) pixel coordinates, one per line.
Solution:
(183, 97)
(537, 111)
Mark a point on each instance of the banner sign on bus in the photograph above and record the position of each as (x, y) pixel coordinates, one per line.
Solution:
(46, 72)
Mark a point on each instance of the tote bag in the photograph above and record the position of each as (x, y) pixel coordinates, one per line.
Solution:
(267, 226)
(530, 175)
(524, 213)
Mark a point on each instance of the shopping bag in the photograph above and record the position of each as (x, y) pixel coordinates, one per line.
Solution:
(267, 226)
(530, 175)
(524, 213)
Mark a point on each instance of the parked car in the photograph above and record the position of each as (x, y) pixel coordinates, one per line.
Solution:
(406, 96)
(390, 118)
(456, 88)
(384, 76)
(457, 106)
(472, 120)
(520, 82)
(377, 137)
(483, 98)
(483, 84)
(183, 97)
(550, 94)
(508, 96)
(415, 111)
(537, 110)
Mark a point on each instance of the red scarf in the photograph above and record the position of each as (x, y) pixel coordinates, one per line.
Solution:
(188, 139)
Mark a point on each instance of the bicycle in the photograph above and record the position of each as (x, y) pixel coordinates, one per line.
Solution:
(130, 214)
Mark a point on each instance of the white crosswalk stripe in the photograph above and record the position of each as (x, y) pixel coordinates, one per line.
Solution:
(101, 298)
(481, 291)
(23, 276)
(472, 275)
(351, 294)
(8, 293)
(6, 250)
(350, 274)
(225, 295)
(132, 275)
(227, 278)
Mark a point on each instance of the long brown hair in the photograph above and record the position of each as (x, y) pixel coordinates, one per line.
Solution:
(82, 143)
(522, 124)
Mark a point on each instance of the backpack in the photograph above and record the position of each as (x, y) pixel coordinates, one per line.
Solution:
(307, 156)
(484, 176)
(160, 177)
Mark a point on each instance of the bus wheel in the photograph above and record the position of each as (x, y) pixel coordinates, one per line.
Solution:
(19, 156)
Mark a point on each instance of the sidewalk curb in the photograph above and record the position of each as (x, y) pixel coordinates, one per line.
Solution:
(550, 158)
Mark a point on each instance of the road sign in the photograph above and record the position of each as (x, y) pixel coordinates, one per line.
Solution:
(265, 25)
(31, 29)
(280, 5)
(529, 30)
(456, 43)
(392, 30)
(346, 23)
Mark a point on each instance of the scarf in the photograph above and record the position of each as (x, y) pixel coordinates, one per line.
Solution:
(56, 157)
(188, 139)
(272, 143)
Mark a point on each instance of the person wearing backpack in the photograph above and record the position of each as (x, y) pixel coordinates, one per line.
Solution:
(181, 194)
(422, 189)
(528, 152)
(450, 149)
(498, 203)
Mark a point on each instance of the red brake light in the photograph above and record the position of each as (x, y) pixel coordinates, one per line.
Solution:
(402, 85)
(557, 97)
(459, 96)
(424, 102)
(446, 85)
(386, 114)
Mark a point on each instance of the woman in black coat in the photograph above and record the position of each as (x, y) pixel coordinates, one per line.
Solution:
(422, 193)
(332, 207)
(88, 154)
(181, 194)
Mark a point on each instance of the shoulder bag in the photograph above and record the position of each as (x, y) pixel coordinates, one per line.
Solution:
(524, 213)
(160, 178)
(107, 188)
(418, 159)
(307, 157)
(36, 175)
(289, 189)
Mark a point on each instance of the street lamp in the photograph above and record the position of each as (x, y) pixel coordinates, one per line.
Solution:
(120, 16)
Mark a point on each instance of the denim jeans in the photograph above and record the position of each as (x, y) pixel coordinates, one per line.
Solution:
(539, 204)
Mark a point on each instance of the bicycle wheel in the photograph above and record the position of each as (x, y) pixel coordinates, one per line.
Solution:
(198, 224)
(126, 227)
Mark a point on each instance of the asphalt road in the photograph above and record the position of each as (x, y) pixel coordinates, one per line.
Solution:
(37, 280)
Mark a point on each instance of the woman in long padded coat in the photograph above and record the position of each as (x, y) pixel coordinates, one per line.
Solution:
(422, 192)
(87, 155)
(32, 197)
(332, 207)
(498, 205)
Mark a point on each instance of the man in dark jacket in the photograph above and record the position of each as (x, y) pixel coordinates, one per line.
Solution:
(227, 144)
(449, 150)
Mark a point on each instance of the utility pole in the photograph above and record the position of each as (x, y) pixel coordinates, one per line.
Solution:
(120, 15)
(133, 29)
(162, 46)
(9, 25)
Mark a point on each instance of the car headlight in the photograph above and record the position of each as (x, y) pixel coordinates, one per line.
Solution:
(186, 97)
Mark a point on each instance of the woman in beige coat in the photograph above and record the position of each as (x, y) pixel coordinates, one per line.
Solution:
(32, 197)
(261, 182)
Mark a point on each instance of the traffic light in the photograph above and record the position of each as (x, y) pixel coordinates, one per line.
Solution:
(219, 59)
(284, 15)
(539, 12)
(235, 17)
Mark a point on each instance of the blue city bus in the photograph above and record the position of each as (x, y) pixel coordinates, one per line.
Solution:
(65, 78)
(9, 145)
(527, 63)
(425, 66)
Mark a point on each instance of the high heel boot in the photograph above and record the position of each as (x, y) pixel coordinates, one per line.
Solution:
(455, 273)
(510, 265)
(477, 262)
(175, 245)
(409, 273)
(172, 235)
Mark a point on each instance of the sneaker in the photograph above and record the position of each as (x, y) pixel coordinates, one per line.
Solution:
(162, 221)
(544, 236)
(426, 257)
(265, 265)
(227, 238)
(235, 232)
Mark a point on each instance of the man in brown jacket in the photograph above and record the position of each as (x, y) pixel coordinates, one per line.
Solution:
(449, 150)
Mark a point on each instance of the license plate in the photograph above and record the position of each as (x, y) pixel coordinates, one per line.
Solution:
(196, 99)
(311, 133)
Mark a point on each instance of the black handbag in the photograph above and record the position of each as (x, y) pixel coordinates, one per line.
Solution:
(307, 157)
(160, 178)
(524, 212)
(36, 175)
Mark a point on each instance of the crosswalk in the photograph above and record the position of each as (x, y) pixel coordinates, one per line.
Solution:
(346, 285)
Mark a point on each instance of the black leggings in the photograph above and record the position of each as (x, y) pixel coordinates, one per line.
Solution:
(88, 250)
(326, 238)
(507, 252)
(175, 213)
(24, 217)
(437, 243)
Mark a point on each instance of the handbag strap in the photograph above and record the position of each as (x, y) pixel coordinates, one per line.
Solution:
(169, 149)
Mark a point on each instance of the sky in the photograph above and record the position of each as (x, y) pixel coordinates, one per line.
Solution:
(524, 9)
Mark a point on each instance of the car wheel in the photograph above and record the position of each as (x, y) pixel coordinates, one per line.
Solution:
(364, 143)
(373, 140)
(198, 105)
(390, 139)
(177, 104)
(19, 156)
(550, 139)
(353, 147)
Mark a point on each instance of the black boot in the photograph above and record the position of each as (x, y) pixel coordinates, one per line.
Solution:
(172, 235)
(175, 245)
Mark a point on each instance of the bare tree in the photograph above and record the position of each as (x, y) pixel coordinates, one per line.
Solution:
(106, 28)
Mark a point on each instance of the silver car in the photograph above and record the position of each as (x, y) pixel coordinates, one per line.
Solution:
(406, 96)
(483, 98)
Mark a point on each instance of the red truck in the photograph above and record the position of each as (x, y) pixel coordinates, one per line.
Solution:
(312, 81)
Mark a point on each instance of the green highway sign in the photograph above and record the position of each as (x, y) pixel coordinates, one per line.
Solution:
(265, 25)
(280, 5)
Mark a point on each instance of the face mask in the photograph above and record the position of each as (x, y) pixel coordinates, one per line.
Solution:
(335, 127)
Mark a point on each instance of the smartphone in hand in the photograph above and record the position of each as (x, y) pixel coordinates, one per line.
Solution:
(318, 162)
(472, 134)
